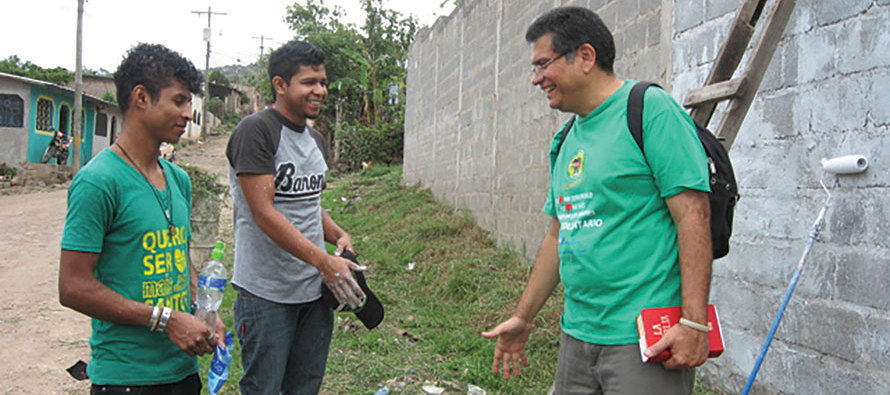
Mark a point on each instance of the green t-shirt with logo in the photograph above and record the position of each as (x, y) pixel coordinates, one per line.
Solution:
(617, 239)
(114, 212)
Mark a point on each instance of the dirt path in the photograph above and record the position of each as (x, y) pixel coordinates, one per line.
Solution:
(39, 337)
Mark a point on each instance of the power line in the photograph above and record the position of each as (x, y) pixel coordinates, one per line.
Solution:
(207, 35)
(262, 39)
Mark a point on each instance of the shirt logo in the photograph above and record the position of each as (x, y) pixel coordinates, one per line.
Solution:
(576, 166)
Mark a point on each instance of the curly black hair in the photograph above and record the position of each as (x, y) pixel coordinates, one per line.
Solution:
(285, 61)
(154, 66)
(572, 27)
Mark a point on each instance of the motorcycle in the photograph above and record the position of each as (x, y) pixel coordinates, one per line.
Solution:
(58, 148)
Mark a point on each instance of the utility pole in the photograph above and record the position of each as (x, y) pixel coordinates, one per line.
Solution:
(78, 89)
(262, 38)
(206, 101)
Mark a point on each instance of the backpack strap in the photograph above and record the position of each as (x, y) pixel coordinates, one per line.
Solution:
(635, 112)
(564, 133)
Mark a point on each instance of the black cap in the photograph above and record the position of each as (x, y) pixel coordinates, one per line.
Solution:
(371, 313)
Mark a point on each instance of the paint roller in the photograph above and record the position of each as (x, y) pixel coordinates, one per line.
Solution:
(848, 164)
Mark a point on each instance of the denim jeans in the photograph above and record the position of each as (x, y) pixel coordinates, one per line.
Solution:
(190, 385)
(594, 369)
(284, 347)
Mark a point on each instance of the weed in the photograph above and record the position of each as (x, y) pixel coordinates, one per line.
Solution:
(460, 284)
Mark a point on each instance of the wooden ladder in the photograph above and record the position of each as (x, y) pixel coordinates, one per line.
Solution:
(739, 91)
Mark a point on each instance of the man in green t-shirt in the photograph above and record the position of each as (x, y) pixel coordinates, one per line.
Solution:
(627, 231)
(124, 259)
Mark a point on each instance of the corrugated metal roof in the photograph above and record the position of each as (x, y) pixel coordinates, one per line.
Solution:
(47, 84)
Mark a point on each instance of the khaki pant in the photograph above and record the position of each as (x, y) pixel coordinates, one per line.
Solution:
(586, 368)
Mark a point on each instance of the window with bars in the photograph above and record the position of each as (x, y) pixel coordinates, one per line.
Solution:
(101, 124)
(12, 109)
(44, 114)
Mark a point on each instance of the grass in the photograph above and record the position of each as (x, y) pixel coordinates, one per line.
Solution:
(442, 282)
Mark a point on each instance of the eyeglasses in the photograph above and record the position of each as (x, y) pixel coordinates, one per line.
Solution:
(537, 69)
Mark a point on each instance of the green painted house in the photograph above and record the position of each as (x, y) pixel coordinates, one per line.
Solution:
(31, 110)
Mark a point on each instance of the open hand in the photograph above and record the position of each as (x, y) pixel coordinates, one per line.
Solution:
(512, 335)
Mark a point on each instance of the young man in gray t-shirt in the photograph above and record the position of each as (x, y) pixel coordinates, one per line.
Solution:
(277, 173)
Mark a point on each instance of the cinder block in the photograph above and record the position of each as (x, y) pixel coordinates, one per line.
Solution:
(597, 4)
(651, 7)
(653, 29)
(879, 96)
(875, 347)
(628, 11)
(861, 278)
(718, 8)
(634, 37)
(609, 14)
(821, 47)
(862, 42)
(824, 326)
(688, 14)
(834, 377)
(789, 59)
(772, 79)
(777, 112)
(832, 11)
(699, 46)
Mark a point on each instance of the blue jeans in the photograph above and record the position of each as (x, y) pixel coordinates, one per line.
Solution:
(284, 347)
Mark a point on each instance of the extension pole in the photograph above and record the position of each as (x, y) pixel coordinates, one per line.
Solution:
(817, 228)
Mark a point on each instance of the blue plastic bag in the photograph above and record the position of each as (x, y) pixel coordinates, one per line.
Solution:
(219, 366)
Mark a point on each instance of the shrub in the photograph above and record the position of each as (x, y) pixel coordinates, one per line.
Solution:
(381, 143)
(204, 183)
(216, 106)
(7, 170)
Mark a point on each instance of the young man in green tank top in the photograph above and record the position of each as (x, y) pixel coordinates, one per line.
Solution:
(124, 259)
(626, 231)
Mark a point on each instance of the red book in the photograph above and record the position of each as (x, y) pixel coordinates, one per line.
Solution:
(653, 323)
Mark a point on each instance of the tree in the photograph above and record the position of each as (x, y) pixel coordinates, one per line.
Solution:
(217, 77)
(14, 65)
(362, 66)
(109, 96)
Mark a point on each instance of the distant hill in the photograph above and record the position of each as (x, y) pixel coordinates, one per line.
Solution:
(239, 74)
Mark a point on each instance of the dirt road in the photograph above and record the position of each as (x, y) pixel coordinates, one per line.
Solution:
(39, 338)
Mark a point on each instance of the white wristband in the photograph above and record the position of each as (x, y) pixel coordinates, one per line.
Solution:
(155, 317)
(695, 325)
(165, 317)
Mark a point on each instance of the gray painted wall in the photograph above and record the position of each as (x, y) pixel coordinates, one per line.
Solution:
(477, 131)
(825, 94)
(14, 141)
(477, 134)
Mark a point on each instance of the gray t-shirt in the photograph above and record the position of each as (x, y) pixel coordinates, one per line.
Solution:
(268, 143)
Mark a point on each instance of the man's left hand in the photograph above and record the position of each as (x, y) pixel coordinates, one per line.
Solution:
(344, 243)
(689, 347)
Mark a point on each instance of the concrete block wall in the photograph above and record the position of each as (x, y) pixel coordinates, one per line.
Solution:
(824, 95)
(477, 133)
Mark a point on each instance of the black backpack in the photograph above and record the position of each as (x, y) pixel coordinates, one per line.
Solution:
(724, 190)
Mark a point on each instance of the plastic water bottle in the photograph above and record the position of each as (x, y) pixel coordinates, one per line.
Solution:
(211, 287)
(219, 366)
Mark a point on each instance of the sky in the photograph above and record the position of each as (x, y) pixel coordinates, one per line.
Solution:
(44, 31)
